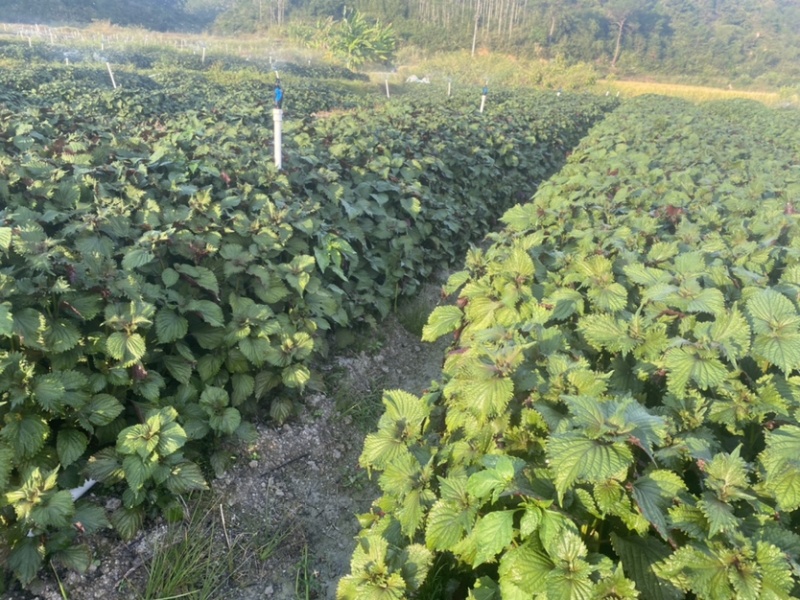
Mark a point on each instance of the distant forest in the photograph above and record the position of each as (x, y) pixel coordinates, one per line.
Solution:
(739, 39)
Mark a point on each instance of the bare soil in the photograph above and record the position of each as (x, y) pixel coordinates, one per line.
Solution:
(283, 519)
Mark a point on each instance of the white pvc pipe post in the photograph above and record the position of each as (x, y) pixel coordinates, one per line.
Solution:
(449, 88)
(277, 121)
(30, 43)
(203, 60)
(82, 489)
(483, 101)
(387, 88)
(111, 73)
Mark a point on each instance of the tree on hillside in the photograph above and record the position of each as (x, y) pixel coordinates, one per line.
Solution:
(621, 13)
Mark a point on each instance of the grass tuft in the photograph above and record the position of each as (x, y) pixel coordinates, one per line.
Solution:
(194, 559)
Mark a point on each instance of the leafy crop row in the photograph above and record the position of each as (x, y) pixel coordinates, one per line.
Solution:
(161, 283)
(619, 414)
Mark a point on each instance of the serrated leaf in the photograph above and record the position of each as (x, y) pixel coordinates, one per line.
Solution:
(781, 460)
(686, 364)
(709, 300)
(719, 515)
(776, 577)
(772, 312)
(255, 350)
(646, 276)
(654, 493)
(49, 391)
(170, 277)
(488, 397)
(90, 517)
(493, 532)
(6, 466)
(776, 325)
(296, 376)
(519, 265)
(29, 324)
(638, 555)
(443, 320)
(484, 484)
(105, 466)
(140, 439)
(77, 558)
(412, 510)
(180, 369)
(170, 326)
(447, 523)
(128, 349)
(26, 558)
(6, 320)
(525, 567)
(135, 258)
(103, 409)
(612, 298)
(26, 434)
(61, 335)
(243, 387)
(732, 332)
(782, 350)
(226, 422)
(127, 521)
(209, 365)
(281, 409)
(417, 560)
(185, 477)
(485, 588)
(55, 511)
(70, 445)
(138, 470)
(200, 276)
(380, 449)
(606, 332)
(208, 311)
(573, 457)
(171, 438)
(5, 238)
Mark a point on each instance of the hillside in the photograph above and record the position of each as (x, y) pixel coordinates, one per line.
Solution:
(738, 42)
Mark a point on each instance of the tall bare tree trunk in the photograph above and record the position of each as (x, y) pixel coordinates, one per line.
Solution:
(618, 48)
(475, 31)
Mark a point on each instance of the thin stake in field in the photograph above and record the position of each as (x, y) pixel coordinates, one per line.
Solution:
(111, 74)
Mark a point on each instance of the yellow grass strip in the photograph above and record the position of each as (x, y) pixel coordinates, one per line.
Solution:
(695, 93)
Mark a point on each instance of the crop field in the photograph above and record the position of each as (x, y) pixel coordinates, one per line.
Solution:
(618, 413)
